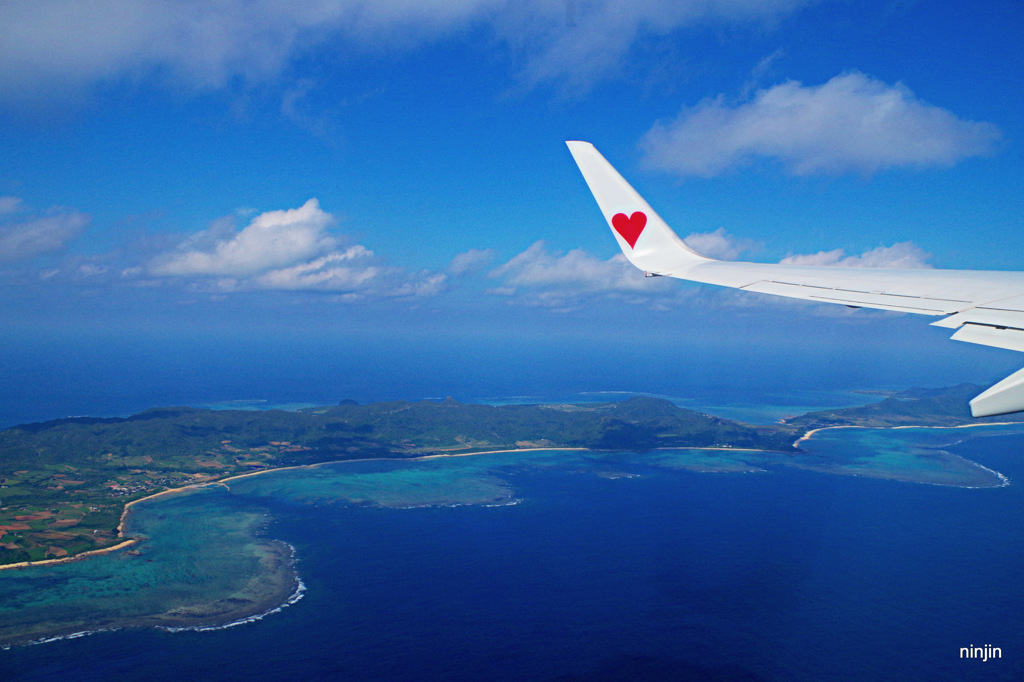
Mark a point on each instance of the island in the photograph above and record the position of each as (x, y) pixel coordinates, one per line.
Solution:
(66, 485)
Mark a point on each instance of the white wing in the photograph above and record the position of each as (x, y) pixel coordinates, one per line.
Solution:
(984, 307)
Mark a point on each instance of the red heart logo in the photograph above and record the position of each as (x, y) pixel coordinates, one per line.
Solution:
(631, 227)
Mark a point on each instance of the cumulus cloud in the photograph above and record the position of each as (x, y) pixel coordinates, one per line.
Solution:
(275, 239)
(899, 255)
(33, 235)
(852, 123)
(286, 250)
(59, 48)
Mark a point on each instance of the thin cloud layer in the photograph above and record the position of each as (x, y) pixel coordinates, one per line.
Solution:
(724, 246)
(538, 276)
(852, 123)
(26, 236)
(719, 244)
(348, 270)
(470, 261)
(899, 255)
(190, 44)
(9, 204)
(579, 44)
(564, 281)
(60, 48)
(576, 269)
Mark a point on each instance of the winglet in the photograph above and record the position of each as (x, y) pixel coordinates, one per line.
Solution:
(1006, 397)
(646, 240)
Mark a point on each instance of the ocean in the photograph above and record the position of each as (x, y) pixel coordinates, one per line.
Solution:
(106, 374)
(578, 566)
(572, 568)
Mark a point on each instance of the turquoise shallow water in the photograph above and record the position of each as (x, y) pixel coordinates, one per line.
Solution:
(201, 562)
(921, 455)
(557, 563)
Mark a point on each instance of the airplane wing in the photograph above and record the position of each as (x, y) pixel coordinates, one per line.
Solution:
(984, 307)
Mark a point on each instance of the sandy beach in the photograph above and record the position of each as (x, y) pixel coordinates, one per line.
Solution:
(125, 543)
(810, 433)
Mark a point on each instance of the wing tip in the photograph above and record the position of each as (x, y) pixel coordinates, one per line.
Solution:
(645, 239)
(1006, 397)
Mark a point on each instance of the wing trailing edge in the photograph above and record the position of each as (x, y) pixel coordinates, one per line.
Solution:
(984, 307)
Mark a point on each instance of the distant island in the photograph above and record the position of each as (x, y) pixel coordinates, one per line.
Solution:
(65, 484)
(913, 407)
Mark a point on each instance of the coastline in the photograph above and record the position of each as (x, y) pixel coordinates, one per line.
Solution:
(1003, 480)
(277, 587)
(807, 435)
(128, 542)
(125, 542)
(66, 560)
(270, 597)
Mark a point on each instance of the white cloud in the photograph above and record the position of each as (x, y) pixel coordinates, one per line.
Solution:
(59, 45)
(581, 43)
(275, 239)
(20, 240)
(60, 48)
(576, 269)
(576, 279)
(289, 250)
(899, 255)
(340, 271)
(91, 270)
(719, 244)
(852, 123)
(419, 285)
(539, 277)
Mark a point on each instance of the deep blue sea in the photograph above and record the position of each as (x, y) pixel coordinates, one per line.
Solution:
(106, 374)
(672, 575)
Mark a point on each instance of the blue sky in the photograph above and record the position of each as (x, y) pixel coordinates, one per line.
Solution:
(348, 170)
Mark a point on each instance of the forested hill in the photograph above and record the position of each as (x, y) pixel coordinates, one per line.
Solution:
(391, 428)
(913, 407)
